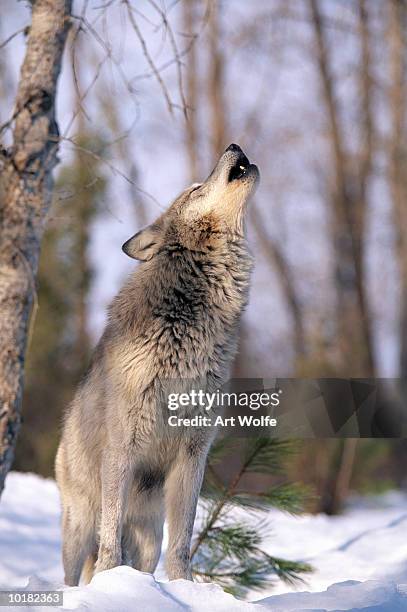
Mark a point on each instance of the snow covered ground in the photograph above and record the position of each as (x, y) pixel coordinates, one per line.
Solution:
(360, 560)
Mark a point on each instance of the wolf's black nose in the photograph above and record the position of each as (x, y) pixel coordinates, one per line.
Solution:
(234, 147)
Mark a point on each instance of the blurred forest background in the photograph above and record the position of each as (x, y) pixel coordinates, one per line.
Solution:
(150, 94)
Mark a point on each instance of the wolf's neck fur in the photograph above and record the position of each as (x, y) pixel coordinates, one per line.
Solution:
(177, 284)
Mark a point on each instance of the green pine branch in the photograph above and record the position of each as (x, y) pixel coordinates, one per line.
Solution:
(230, 553)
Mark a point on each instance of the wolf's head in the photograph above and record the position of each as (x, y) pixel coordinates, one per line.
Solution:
(205, 214)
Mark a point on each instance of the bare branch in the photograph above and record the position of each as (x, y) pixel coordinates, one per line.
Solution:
(24, 30)
(148, 57)
(111, 166)
(177, 57)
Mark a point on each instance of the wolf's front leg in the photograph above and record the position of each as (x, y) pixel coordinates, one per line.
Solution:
(182, 490)
(115, 482)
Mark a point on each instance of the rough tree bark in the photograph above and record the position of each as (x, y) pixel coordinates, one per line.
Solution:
(27, 177)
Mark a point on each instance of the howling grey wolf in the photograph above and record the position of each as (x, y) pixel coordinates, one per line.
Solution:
(176, 319)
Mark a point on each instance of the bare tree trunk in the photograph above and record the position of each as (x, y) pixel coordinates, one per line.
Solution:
(349, 205)
(341, 479)
(83, 275)
(218, 129)
(28, 191)
(82, 341)
(364, 170)
(189, 7)
(83, 272)
(348, 220)
(278, 262)
(398, 160)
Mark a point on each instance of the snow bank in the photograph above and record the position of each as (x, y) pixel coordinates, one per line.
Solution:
(125, 589)
(360, 560)
(353, 596)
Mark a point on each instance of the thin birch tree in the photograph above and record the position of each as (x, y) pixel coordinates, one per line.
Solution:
(28, 184)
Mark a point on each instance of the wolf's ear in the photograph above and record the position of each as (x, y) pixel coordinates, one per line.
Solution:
(145, 244)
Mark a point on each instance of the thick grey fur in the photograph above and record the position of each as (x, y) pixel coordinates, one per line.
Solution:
(120, 468)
